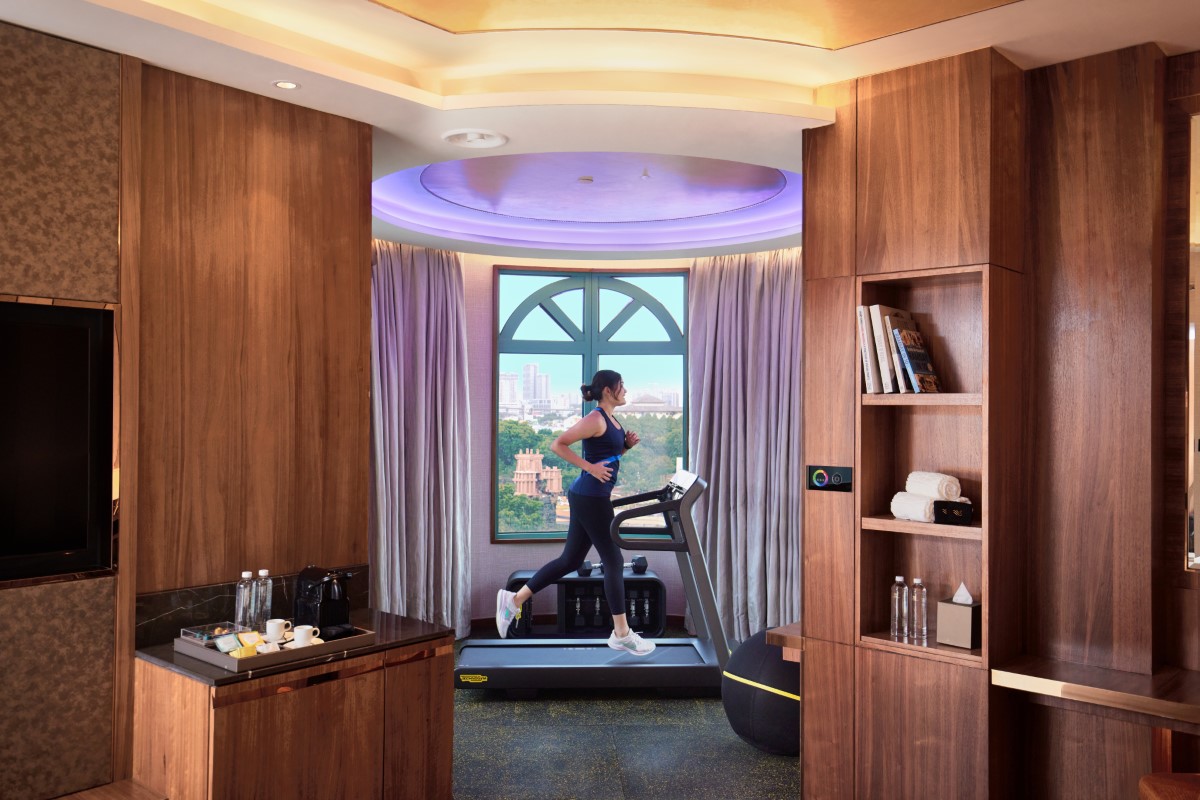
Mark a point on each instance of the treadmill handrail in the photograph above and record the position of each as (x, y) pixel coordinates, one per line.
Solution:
(614, 529)
(638, 498)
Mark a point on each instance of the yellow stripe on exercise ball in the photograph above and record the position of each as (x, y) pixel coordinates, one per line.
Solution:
(762, 686)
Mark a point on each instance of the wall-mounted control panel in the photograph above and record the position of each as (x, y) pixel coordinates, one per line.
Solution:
(830, 479)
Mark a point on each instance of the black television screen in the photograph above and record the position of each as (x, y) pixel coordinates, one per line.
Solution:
(56, 372)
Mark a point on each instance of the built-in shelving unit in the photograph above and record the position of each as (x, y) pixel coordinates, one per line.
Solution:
(960, 432)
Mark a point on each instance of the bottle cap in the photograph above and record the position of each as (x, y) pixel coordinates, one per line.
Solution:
(262, 573)
(247, 574)
(915, 580)
(899, 577)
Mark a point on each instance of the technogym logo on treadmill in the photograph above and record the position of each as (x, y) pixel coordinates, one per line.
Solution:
(473, 678)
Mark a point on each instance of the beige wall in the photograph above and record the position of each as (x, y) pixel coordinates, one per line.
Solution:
(491, 564)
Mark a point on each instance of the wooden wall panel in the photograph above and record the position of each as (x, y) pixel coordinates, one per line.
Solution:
(128, 343)
(1005, 482)
(59, 143)
(918, 728)
(926, 193)
(419, 728)
(254, 281)
(829, 385)
(1095, 228)
(829, 176)
(1079, 756)
(1176, 637)
(827, 721)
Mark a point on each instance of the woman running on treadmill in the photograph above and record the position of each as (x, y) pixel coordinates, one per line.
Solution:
(604, 442)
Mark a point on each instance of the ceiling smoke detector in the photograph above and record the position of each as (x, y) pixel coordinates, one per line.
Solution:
(474, 138)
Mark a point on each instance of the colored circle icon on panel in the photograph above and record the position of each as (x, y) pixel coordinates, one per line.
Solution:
(820, 477)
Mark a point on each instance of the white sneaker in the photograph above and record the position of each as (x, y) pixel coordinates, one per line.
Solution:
(632, 644)
(506, 612)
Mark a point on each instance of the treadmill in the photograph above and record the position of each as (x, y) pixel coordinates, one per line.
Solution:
(676, 663)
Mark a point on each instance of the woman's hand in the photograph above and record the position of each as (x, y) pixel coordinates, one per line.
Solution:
(601, 472)
(631, 439)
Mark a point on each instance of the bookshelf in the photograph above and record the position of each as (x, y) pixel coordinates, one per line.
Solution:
(968, 316)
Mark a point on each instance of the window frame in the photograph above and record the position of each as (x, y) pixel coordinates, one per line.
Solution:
(594, 345)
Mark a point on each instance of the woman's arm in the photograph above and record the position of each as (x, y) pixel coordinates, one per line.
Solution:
(591, 425)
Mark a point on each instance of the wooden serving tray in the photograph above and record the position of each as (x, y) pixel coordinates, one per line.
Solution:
(193, 648)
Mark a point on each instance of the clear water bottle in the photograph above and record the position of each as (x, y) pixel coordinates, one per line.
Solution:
(263, 589)
(920, 611)
(900, 608)
(243, 601)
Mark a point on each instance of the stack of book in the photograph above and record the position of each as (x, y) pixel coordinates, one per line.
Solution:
(894, 355)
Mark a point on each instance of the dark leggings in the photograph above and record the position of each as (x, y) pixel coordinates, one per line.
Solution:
(590, 518)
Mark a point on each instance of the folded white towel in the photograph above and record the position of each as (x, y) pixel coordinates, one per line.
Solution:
(917, 507)
(933, 484)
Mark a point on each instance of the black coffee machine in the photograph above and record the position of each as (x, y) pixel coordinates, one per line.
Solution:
(322, 601)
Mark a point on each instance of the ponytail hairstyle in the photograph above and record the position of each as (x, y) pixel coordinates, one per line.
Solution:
(604, 379)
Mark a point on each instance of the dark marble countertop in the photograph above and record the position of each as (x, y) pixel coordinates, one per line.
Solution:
(391, 631)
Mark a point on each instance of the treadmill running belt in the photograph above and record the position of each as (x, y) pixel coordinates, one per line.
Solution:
(527, 655)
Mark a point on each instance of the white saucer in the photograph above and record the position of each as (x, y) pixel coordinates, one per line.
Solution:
(287, 637)
(294, 645)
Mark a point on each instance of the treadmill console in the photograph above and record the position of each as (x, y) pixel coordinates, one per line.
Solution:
(680, 482)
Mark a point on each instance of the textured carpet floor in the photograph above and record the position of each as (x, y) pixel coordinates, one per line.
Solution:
(617, 745)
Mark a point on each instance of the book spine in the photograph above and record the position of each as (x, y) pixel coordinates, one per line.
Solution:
(866, 344)
(886, 377)
(907, 364)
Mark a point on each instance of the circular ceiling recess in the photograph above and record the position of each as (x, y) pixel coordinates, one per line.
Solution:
(623, 187)
(593, 202)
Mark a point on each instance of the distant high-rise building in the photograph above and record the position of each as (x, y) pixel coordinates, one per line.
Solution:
(543, 388)
(671, 398)
(529, 376)
(508, 389)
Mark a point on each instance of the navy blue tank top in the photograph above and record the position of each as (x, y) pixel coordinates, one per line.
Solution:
(596, 449)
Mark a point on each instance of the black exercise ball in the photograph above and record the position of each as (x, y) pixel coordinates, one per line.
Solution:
(761, 693)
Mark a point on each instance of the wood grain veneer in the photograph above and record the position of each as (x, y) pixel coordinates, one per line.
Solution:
(827, 720)
(1074, 755)
(128, 341)
(938, 165)
(1004, 486)
(830, 160)
(829, 385)
(896, 696)
(419, 725)
(171, 738)
(292, 753)
(254, 308)
(1095, 227)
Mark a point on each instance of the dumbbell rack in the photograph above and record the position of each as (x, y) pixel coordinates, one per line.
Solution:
(645, 602)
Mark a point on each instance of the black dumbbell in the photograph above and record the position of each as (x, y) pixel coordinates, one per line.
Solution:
(639, 565)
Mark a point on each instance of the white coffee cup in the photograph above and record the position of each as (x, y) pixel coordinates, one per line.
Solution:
(277, 629)
(303, 635)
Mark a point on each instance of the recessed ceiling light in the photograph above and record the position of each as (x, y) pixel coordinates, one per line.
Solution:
(584, 179)
(474, 138)
(286, 85)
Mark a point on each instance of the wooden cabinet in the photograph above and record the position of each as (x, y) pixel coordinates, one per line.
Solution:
(380, 725)
(922, 708)
(419, 726)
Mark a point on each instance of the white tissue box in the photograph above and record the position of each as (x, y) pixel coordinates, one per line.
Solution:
(960, 625)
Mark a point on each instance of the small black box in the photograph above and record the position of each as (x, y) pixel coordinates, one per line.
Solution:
(951, 512)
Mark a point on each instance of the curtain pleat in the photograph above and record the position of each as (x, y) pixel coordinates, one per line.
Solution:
(420, 424)
(745, 439)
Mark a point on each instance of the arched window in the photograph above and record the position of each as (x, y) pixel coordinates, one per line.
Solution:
(554, 330)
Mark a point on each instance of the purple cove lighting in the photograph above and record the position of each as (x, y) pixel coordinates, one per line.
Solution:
(402, 199)
(625, 187)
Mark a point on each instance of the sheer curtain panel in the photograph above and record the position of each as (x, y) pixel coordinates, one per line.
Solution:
(744, 356)
(420, 428)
